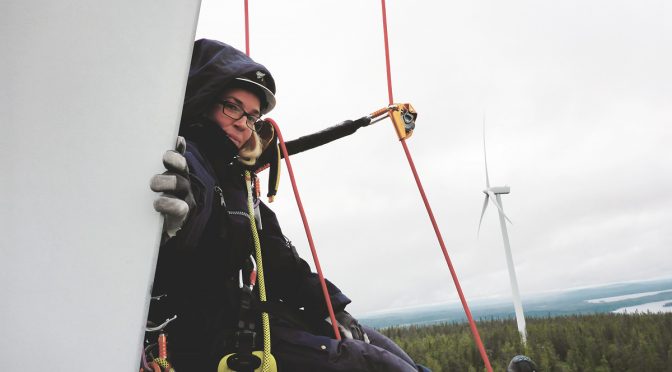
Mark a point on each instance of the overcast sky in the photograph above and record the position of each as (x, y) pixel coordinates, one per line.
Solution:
(576, 97)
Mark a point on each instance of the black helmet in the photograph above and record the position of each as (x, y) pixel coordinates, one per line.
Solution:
(521, 363)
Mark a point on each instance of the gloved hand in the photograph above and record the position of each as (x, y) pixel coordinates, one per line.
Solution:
(349, 326)
(176, 199)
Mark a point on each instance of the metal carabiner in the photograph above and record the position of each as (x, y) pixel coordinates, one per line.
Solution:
(160, 326)
(253, 275)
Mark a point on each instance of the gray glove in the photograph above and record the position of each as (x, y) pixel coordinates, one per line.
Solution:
(176, 198)
(349, 327)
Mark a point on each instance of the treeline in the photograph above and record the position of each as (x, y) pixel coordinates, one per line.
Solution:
(590, 343)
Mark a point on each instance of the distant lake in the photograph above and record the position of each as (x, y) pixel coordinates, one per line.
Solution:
(653, 307)
(630, 297)
(624, 297)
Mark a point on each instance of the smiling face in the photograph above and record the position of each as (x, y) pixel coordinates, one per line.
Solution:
(236, 129)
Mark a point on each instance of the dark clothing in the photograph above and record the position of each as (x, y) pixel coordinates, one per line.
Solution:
(303, 351)
(198, 268)
(213, 66)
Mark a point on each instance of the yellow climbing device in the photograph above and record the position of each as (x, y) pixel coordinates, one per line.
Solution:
(403, 116)
(271, 365)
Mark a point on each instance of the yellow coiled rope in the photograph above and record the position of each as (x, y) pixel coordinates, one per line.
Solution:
(267, 364)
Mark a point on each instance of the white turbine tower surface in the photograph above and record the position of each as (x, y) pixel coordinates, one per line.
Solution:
(493, 193)
(92, 96)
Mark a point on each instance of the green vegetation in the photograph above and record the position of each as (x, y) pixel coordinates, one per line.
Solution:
(590, 343)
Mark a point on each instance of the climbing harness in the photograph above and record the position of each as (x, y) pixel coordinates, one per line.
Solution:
(247, 359)
(162, 360)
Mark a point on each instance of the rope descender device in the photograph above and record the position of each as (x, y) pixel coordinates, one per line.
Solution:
(403, 117)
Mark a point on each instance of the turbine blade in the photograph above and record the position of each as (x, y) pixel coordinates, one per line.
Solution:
(494, 201)
(485, 205)
(485, 156)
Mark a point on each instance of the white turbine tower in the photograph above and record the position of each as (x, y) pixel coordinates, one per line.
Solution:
(493, 193)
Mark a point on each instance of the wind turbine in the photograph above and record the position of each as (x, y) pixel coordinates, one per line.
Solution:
(493, 193)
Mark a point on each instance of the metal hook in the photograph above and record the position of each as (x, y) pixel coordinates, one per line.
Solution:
(253, 275)
(160, 326)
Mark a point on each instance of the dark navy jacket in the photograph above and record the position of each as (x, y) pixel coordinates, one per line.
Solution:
(198, 268)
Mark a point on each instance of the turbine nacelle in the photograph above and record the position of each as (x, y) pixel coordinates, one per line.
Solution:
(497, 190)
(491, 192)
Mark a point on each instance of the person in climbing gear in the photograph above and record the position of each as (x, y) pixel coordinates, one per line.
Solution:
(206, 258)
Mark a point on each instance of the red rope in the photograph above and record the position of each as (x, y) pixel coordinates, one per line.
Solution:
(387, 55)
(327, 299)
(472, 324)
(306, 227)
(247, 30)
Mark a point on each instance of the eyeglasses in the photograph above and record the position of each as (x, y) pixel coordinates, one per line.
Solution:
(236, 112)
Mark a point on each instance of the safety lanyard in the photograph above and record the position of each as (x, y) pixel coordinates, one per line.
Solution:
(265, 323)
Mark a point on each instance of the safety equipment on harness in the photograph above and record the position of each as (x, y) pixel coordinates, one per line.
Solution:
(247, 360)
(159, 363)
(403, 116)
(325, 136)
(155, 354)
(176, 199)
(270, 157)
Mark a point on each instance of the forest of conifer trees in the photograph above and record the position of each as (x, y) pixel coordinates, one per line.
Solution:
(590, 343)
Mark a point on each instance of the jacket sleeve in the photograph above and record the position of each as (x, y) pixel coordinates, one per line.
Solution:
(202, 186)
(288, 277)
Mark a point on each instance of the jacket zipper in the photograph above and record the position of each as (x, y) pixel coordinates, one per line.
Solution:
(219, 191)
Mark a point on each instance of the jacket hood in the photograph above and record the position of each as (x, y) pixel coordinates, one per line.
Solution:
(214, 65)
